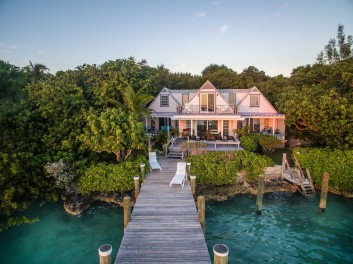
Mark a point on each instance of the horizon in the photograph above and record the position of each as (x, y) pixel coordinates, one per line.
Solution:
(185, 37)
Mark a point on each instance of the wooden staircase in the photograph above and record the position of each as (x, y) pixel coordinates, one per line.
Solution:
(302, 180)
(175, 154)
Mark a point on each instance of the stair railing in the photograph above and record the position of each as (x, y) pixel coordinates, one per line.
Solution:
(310, 180)
(167, 150)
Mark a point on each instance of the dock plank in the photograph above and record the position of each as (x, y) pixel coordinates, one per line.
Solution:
(164, 226)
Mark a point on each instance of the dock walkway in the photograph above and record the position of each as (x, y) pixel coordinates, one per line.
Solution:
(164, 226)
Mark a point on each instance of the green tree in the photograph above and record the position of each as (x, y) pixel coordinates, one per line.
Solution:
(36, 71)
(337, 49)
(114, 131)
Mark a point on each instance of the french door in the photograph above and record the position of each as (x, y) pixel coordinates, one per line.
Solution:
(207, 103)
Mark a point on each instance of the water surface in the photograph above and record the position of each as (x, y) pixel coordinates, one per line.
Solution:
(62, 238)
(290, 229)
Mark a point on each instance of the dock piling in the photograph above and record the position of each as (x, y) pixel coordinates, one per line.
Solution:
(220, 254)
(201, 211)
(193, 184)
(143, 171)
(260, 191)
(105, 252)
(324, 189)
(137, 186)
(188, 169)
(127, 211)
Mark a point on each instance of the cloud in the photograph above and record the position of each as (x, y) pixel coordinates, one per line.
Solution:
(201, 14)
(223, 29)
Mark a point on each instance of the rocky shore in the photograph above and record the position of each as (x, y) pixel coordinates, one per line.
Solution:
(75, 203)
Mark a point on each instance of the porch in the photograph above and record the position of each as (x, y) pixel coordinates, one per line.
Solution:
(211, 145)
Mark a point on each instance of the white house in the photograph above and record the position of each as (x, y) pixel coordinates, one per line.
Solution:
(218, 111)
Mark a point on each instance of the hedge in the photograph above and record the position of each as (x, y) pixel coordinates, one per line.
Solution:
(110, 177)
(220, 168)
(338, 163)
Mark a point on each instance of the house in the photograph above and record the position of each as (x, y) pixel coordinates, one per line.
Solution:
(217, 111)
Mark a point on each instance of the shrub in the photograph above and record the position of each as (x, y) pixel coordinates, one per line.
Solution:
(338, 163)
(268, 143)
(219, 168)
(249, 143)
(110, 177)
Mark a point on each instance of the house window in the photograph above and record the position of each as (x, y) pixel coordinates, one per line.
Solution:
(232, 98)
(239, 124)
(185, 98)
(207, 103)
(225, 128)
(266, 122)
(164, 100)
(254, 100)
(177, 123)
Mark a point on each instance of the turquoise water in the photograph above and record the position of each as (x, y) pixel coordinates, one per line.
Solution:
(61, 238)
(290, 229)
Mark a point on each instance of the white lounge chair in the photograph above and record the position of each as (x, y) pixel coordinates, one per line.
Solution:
(152, 160)
(180, 175)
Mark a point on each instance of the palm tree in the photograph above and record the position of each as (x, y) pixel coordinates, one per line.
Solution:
(36, 70)
(135, 102)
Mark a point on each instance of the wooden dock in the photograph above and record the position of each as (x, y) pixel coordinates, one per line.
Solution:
(164, 226)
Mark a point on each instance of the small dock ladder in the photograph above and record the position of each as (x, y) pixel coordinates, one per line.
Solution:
(295, 175)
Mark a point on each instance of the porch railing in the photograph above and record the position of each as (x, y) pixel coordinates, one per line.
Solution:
(206, 109)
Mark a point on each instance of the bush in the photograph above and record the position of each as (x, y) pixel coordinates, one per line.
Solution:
(249, 143)
(219, 168)
(338, 163)
(110, 177)
(268, 143)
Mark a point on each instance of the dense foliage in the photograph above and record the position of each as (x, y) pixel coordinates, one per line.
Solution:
(110, 177)
(338, 163)
(259, 143)
(220, 168)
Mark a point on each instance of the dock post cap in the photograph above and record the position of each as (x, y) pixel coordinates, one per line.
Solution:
(192, 177)
(188, 163)
(142, 165)
(136, 177)
(105, 250)
(220, 250)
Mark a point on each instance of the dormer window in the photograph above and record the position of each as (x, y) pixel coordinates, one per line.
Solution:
(254, 100)
(164, 100)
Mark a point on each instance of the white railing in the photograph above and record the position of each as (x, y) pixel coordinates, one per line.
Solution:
(206, 109)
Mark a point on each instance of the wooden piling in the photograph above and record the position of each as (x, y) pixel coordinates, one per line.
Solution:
(105, 252)
(127, 211)
(284, 159)
(201, 211)
(143, 171)
(260, 191)
(193, 184)
(220, 254)
(324, 189)
(188, 168)
(137, 186)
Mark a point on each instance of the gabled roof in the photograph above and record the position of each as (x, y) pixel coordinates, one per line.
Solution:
(208, 83)
(255, 89)
(165, 90)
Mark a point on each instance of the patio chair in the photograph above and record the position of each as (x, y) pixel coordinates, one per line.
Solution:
(180, 175)
(152, 160)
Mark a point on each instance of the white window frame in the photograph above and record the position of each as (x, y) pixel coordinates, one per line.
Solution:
(164, 100)
(254, 100)
(186, 94)
(234, 98)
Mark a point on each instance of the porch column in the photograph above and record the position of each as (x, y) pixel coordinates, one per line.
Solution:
(273, 129)
(222, 128)
(146, 125)
(191, 126)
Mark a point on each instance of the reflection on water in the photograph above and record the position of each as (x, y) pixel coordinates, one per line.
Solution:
(61, 238)
(290, 229)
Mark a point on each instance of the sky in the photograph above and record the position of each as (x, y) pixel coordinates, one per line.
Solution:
(183, 35)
